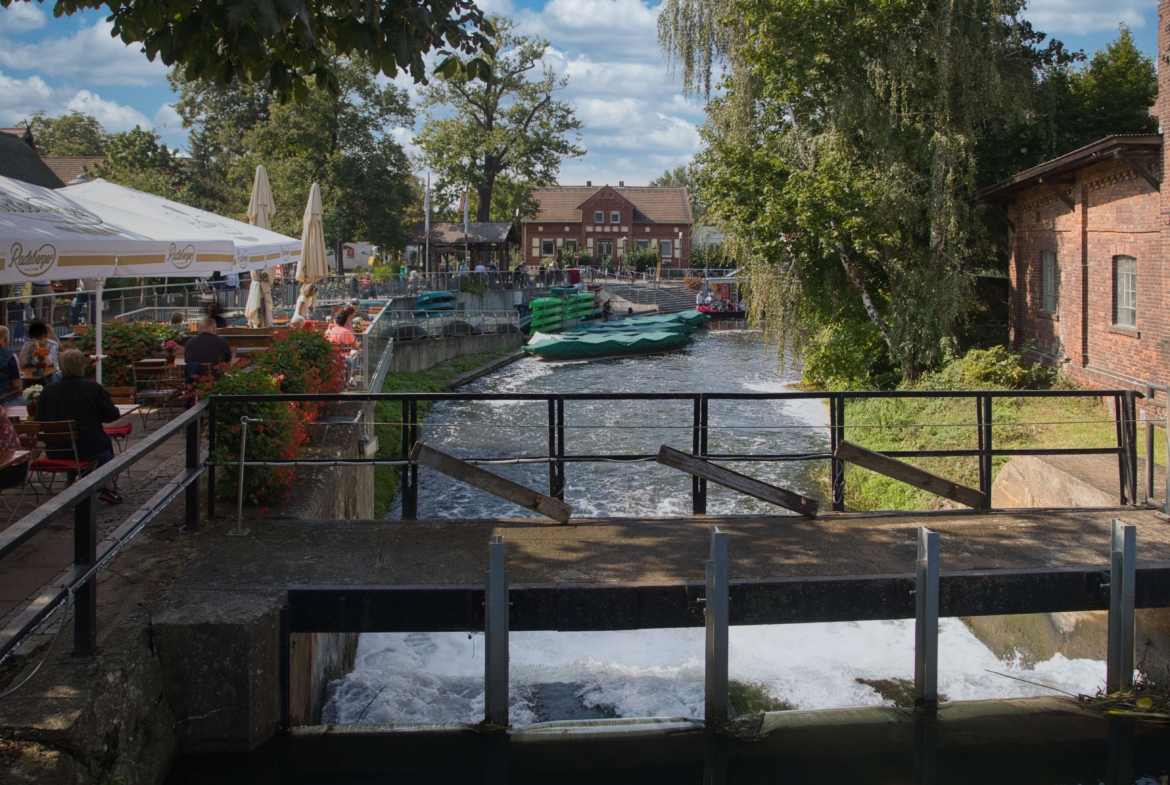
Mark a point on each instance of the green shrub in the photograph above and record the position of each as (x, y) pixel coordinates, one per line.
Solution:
(994, 368)
(849, 355)
(122, 344)
(641, 259)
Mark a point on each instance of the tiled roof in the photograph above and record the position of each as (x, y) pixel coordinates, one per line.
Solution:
(70, 167)
(452, 233)
(20, 162)
(651, 205)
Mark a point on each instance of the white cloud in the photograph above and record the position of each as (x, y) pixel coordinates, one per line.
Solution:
(91, 55)
(19, 98)
(21, 17)
(113, 116)
(1080, 17)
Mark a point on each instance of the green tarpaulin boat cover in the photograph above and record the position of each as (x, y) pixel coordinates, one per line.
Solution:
(674, 322)
(571, 346)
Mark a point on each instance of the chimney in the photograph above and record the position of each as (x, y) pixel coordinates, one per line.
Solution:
(588, 183)
(621, 183)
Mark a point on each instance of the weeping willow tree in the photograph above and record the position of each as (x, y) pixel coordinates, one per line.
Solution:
(839, 156)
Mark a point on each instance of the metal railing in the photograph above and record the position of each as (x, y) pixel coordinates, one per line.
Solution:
(81, 499)
(696, 407)
(1152, 400)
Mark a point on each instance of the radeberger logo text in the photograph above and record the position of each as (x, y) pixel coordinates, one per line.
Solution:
(181, 257)
(33, 262)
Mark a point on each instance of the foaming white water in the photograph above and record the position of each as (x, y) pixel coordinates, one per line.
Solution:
(438, 677)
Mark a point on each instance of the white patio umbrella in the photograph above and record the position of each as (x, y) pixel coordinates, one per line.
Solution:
(261, 208)
(47, 235)
(312, 266)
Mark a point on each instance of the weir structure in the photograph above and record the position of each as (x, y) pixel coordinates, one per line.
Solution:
(410, 575)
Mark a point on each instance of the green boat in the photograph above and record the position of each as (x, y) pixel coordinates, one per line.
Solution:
(673, 322)
(587, 346)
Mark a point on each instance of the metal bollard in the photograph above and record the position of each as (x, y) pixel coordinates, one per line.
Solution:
(926, 622)
(495, 629)
(716, 611)
(240, 530)
(1122, 575)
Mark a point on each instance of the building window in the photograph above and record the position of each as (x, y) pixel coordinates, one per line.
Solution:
(615, 218)
(546, 248)
(570, 245)
(665, 247)
(599, 217)
(1125, 291)
(1051, 281)
(643, 243)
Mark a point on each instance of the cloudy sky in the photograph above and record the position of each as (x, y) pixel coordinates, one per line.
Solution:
(637, 122)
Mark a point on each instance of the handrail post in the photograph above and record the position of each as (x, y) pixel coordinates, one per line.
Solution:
(191, 503)
(211, 452)
(836, 436)
(1118, 418)
(85, 555)
(1122, 575)
(985, 465)
(1131, 442)
(412, 490)
(240, 530)
(496, 636)
(552, 446)
(926, 622)
(716, 612)
(560, 449)
(1148, 487)
(695, 425)
(703, 433)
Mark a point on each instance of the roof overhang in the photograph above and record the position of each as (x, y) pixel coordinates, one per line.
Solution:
(1126, 147)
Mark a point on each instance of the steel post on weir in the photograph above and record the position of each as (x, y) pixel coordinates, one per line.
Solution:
(495, 630)
(1122, 599)
(926, 623)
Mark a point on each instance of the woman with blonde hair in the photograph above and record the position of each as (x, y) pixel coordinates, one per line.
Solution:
(308, 296)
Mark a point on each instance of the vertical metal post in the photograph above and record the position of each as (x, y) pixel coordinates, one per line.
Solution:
(211, 452)
(1122, 575)
(836, 436)
(1148, 490)
(560, 449)
(84, 555)
(979, 440)
(985, 454)
(285, 673)
(716, 610)
(496, 636)
(1118, 417)
(695, 426)
(191, 502)
(404, 451)
(242, 459)
(703, 420)
(412, 494)
(552, 447)
(1130, 423)
(1166, 490)
(926, 622)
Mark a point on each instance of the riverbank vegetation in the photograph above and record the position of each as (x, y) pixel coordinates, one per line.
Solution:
(886, 424)
(389, 413)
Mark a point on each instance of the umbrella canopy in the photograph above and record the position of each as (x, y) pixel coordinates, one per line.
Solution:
(253, 247)
(261, 208)
(312, 266)
(50, 235)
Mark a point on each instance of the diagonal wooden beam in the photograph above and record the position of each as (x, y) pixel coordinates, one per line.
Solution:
(492, 483)
(737, 482)
(1143, 172)
(1002, 213)
(1056, 189)
(911, 475)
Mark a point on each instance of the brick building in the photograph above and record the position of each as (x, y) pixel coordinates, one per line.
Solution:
(1090, 254)
(607, 221)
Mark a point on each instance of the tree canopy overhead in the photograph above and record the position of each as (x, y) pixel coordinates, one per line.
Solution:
(501, 135)
(291, 43)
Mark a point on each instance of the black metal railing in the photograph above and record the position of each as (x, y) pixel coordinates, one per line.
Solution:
(89, 556)
(699, 405)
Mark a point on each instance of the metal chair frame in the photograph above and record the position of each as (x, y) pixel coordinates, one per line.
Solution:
(43, 436)
(154, 383)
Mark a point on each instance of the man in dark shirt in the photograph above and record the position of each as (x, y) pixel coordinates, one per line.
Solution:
(89, 405)
(10, 384)
(207, 347)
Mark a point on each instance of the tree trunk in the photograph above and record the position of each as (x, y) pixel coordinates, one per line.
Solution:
(866, 300)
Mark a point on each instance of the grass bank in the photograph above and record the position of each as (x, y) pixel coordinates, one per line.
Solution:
(385, 412)
(945, 424)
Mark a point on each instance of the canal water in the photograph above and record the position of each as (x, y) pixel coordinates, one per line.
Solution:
(424, 678)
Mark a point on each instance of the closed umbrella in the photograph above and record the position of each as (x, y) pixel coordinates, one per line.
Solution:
(261, 208)
(312, 266)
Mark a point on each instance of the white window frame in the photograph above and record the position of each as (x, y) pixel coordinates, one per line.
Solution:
(598, 216)
(1125, 292)
(547, 247)
(1050, 282)
(615, 217)
(665, 248)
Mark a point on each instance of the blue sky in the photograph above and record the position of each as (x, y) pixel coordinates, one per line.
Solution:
(637, 121)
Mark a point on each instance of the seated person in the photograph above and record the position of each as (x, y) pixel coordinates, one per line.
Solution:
(88, 404)
(10, 382)
(38, 338)
(179, 325)
(206, 346)
(213, 312)
(340, 332)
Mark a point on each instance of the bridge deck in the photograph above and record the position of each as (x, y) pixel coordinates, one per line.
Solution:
(279, 554)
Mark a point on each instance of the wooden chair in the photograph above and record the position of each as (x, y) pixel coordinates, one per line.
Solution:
(14, 509)
(120, 433)
(153, 385)
(39, 438)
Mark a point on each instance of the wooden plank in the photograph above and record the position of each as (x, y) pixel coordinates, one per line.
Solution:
(492, 483)
(911, 475)
(737, 482)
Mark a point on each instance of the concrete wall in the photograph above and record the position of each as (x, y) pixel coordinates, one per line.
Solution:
(415, 356)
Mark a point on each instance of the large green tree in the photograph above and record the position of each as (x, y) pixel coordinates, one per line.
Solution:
(292, 45)
(70, 134)
(682, 177)
(504, 130)
(340, 139)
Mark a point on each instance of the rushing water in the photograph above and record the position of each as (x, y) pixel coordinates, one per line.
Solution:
(439, 677)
